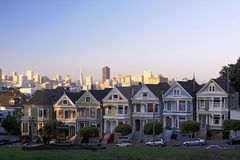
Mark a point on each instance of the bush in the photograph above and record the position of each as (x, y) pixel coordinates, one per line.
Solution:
(88, 132)
(148, 128)
(190, 127)
(123, 129)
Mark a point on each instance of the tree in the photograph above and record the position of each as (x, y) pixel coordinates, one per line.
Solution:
(123, 129)
(88, 132)
(190, 127)
(233, 70)
(148, 128)
(231, 125)
(50, 130)
(11, 125)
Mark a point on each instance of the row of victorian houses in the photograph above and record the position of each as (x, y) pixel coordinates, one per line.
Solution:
(208, 104)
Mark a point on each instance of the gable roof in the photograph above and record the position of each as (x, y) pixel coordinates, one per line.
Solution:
(158, 89)
(191, 86)
(100, 94)
(74, 97)
(45, 97)
(128, 92)
(224, 85)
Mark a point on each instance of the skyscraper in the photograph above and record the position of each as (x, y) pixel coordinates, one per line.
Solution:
(89, 82)
(0, 75)
(23, 81)
(15, 77)
(105, 73)
(29, 75)
(81, 78)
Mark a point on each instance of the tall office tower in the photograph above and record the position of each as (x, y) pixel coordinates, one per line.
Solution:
(0, 75)
(67, 79)
(105, 73)
(89, 82)
(146, 76)
(37, 78)
(29, 75)
(15, 77)
(58, 78)
(138, 78)
(23, 81)
(81, 78)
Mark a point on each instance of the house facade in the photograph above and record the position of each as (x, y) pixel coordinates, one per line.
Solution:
(147, 104)
(90, 109)
(39, 110)
(117, 107)
(179, 104)
(214, 101)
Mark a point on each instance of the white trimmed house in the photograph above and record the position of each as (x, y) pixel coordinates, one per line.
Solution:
(146, 104)
(214, 101)
(179, 104)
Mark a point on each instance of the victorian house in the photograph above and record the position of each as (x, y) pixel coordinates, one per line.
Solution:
(147, 105)
(89, 109)
(214, 101)
(117, 107)
(66, 111)
(179, 104)
(38, 110)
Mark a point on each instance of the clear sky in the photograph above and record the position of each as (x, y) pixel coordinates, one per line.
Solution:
(171, 37)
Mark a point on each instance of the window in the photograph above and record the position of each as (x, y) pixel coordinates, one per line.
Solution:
(174, 106)
(156, 108)
(98, 113)
(109, 109)
(216, 119)
(92, 124)
(216, 102)
(115, 96)
(169, 106)
(211, 87)
(87, 99)
(176, 92)
(144, 94)
(92, 112)
(64, 102)
(25, 127)
(45, 113)
(40, 113)
(202, 104)
(87, 112)
(126, 110)
(66, 115)
(150, 107)
(181, 120)
(138, 108)
(181, 105)
(188, 106)
(120, 109)
(222, 117)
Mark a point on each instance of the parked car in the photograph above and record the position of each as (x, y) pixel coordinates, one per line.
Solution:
(235, 140)
(156, 143)
(194, 141)
(124, 144)
(14, 140)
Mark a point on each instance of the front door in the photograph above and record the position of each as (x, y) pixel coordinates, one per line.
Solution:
(137, 124)
(168, 123)
(108, 127)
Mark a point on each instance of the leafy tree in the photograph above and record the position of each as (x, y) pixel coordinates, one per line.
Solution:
(123, 129)
(148, 128)
(11, 124)
(88, 132)
(190, 127)
(231, 125)
(51, 131)
(234, 74)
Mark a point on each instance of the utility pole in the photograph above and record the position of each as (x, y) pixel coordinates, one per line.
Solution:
(153, 122)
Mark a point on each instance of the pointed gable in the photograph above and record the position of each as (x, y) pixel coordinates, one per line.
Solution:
(177, 91)
(144, 93)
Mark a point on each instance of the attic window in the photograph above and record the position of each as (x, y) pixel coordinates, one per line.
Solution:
(87, 99)
(115, 96)
(64, 102)
(144, 94)
(211, 87)
(176, 92)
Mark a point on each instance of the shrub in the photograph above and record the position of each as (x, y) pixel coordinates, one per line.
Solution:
(148, 128)
(123, 129)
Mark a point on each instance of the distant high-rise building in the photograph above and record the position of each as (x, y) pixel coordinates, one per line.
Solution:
(58, 78)
(81, 78)
(37, 78)
(89, 82)
(0, 75)
(23, 81)
(67, 79)
(105, 73)
(138, 78)
(29, 75)
(15, 77)
(146, 76)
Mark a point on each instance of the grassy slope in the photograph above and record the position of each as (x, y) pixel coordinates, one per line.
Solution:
(136, 153)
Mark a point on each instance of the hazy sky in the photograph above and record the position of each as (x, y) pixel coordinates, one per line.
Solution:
(171, 37)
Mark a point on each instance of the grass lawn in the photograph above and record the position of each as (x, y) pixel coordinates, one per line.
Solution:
(114, 153)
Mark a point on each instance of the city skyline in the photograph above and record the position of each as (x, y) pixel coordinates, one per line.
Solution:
(174, 38)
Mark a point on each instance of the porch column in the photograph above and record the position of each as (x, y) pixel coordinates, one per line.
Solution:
(221, 103)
